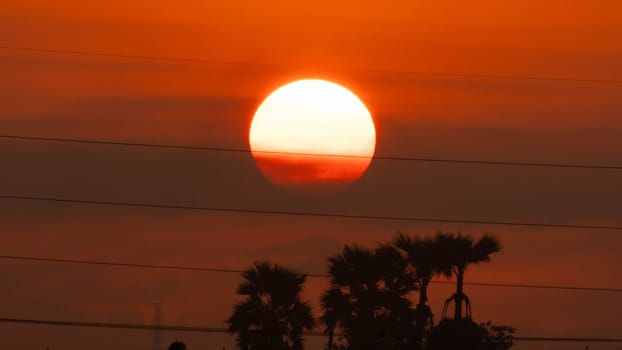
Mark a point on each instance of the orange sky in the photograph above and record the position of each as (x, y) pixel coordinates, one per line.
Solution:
(210, 104)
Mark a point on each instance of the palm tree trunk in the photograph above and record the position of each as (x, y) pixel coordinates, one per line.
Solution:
(330, 339)
(459, 294)
(421, 315)
(423, 293)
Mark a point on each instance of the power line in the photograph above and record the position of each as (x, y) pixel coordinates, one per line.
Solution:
(119, 264)
(241, 150)
(210, 269)
(536, 286)
(308, 214)
(114, 325)
(177, 328)
(281, 66)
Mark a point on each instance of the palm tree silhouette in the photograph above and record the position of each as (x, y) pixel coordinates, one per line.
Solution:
(368, 299)
(336, 307)
(462, 251)
(425, 257)
(272, 314)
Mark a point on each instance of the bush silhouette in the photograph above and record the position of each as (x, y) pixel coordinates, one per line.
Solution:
(177, 345)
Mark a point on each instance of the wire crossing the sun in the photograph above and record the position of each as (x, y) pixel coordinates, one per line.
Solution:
(303, 213)
(241, 150)
(195, 329)
(218, 270)
(283, 66)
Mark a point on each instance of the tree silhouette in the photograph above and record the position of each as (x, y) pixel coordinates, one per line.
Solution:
(177, 345)
(336, 306)
(497, 337)
(462, 251)
(272, 314)
(464, 334)
(426, 259)
(368, 299)
(457, 334)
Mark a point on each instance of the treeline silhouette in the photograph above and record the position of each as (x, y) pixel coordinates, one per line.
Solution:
(368, 305)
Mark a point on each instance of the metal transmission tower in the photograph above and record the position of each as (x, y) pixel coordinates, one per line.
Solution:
(157, 322)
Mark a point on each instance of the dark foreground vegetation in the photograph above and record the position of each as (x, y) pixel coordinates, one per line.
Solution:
(369, 302)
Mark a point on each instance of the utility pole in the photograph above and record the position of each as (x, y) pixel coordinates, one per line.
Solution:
(157, 322)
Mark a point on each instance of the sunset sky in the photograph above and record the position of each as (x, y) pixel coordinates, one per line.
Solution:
(418, 66)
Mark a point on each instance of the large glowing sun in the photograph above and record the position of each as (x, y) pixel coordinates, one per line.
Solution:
(312, 134)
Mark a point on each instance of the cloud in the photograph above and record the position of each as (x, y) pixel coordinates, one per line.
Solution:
(195, 120)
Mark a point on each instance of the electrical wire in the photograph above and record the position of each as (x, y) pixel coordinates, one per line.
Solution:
(307, 214)
(211, 269)
(240, 150)
(282, 66)
(133, 326)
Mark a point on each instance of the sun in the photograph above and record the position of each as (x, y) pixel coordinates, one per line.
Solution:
(312, 134)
